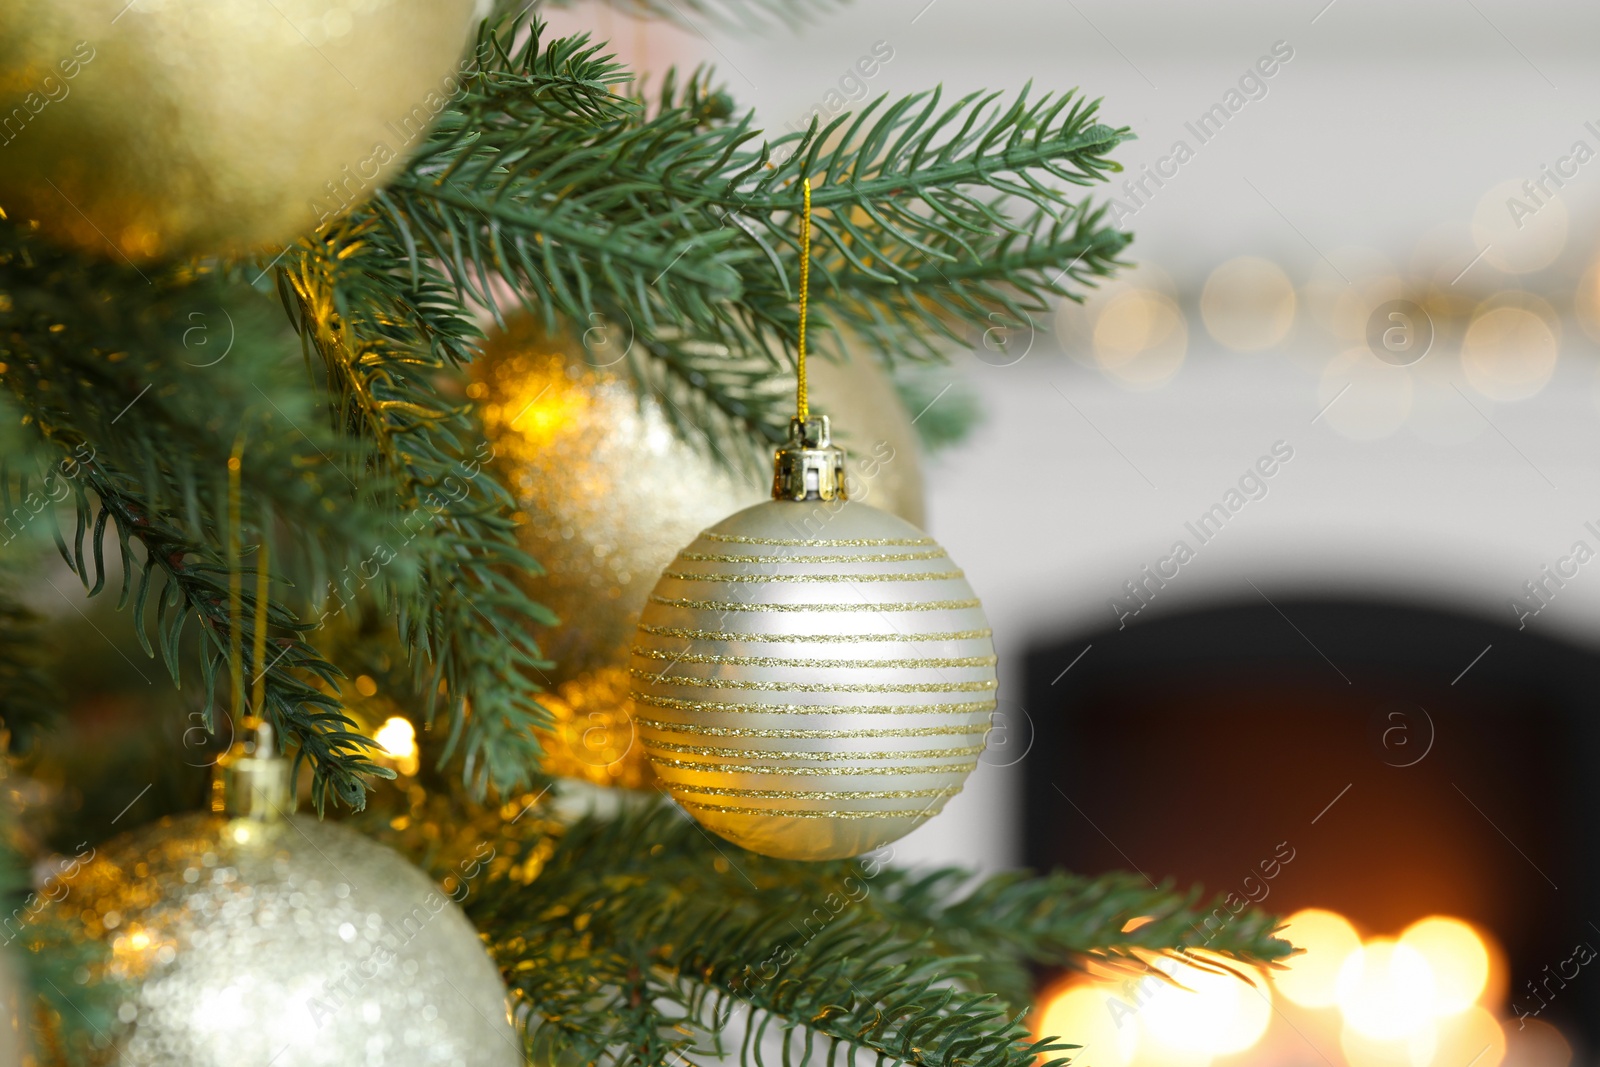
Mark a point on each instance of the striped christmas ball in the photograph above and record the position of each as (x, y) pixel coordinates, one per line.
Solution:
(813, 679)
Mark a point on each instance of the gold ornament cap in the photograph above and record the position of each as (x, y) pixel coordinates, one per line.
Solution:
(810, 466)
(259, 787)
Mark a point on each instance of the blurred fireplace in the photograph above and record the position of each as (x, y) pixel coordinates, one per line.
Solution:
(1405, 782)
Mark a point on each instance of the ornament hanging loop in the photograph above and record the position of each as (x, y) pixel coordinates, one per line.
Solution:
(259, 787)
(802, 407)
(810, 466)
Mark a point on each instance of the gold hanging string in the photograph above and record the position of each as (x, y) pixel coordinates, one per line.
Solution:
(235, 583)
(258, 654)
(803, 406)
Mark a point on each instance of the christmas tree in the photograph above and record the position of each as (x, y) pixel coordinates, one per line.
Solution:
(266, 411)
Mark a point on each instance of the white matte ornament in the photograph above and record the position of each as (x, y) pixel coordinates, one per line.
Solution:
(814, 679)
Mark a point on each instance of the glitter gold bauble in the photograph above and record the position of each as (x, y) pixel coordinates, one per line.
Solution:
(301, 942)
(170, 127)
(609, 493)
(813, 679)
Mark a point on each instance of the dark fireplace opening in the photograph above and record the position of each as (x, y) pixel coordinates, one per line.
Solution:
(1414, 761)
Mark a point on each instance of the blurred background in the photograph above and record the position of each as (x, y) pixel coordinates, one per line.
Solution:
(1352, 372)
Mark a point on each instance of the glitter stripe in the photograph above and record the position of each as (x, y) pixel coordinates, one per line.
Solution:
(866, 609)
(739, 768)
(776, 661)
(802, 794)
(887, 557)
(814, 687)
(807, 542)
(906, 639)
(713, 706)
(721, 809)
(738, 731)
(815, 757)
(918, 576)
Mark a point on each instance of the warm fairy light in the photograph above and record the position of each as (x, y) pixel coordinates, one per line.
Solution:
(1386, 990)
(1419, 1048)
(1520, 227)
(1422, 999)
(397, 738)
(1248, 304)
(1363, 398)
(1535, 1043)
(1472, 1037)
(1510, 350)
(1085, 1015)
(1457, 957)
(1140, 338)
(1328, 940)
(1210, 1012)
(1585, 302)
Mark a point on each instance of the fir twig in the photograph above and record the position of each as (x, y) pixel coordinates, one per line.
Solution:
(675, 223)
(643, 939)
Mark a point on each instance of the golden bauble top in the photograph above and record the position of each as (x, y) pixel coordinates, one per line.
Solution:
(608, 493)
(173, 127)
(305, 943)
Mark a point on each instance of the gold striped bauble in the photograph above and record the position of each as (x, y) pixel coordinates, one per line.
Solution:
(813, 679)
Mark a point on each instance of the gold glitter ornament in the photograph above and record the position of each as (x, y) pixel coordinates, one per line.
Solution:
(271, 938)
(609, 493)
(813, 677)
(173, 127)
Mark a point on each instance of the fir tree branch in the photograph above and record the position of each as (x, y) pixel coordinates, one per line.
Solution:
(677, 222)
(1010, 921)
(138, 438)
(391, 336)
(643, 939)
(29, 698)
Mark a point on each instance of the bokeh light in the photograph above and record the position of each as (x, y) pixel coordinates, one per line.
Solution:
(1248, 304)
(1343, 289)
(1328, 939)
(1535, 1043)
(1209, 1011)
(1363, 398)
(1386, 990)
(1470, 1037)
(1457, 957)
(1417, 1049)
(1141, 338)
(1586, 301)
(1510, 349)
(1519, 231)
(1083, 1015)
(398, 738)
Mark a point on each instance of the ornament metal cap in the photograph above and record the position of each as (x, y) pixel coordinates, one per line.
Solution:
(258, 786)
(810, 466)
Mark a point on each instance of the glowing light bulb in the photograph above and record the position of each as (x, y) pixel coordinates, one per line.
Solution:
(1457, 957)
(1386, 990)
(1328, 940)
